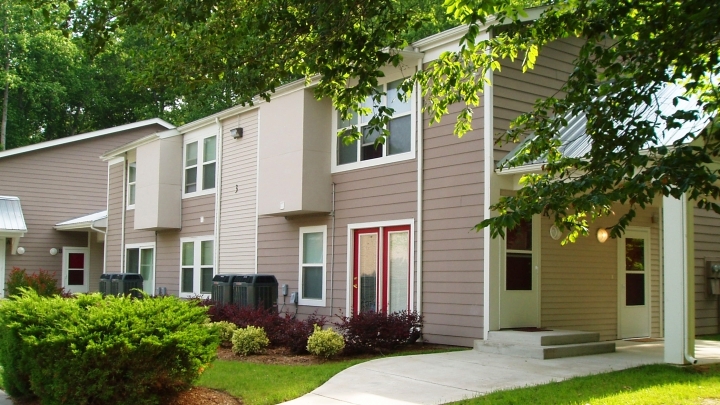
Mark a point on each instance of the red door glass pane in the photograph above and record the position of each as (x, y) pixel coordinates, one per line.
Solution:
(76, 260)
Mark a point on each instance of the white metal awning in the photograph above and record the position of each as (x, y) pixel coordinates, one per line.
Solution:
(12, 221)
(96, 222)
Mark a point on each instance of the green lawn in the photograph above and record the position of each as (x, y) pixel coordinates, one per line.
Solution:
(708, 337)
(656, 384)
(267, 384)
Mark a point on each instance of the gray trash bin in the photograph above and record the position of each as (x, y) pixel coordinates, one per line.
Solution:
(124, 284)
(254, 290)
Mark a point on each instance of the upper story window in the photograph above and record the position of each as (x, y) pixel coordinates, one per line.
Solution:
(398, 146)
(200, 159)
(132, 175)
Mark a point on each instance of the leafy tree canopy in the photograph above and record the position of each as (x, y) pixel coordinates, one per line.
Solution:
(632, 48)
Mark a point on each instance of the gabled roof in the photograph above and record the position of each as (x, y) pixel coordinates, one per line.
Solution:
(12, 221)
(82, 137)
(575, 143)
(94, 220)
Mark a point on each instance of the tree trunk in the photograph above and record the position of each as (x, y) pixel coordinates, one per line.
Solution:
(3, 126)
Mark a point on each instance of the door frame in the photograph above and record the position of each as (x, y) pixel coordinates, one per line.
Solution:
(504, 320)
(351, 228)
(66, 250)
(634, 232)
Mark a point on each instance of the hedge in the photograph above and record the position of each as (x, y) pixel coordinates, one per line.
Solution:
(95, 350)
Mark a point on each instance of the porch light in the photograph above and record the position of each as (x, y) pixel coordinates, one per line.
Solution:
(602, 235)
(20, 250)
(53, 251)
(236, 133)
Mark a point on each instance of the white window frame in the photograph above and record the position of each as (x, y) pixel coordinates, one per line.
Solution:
(141, 246)
(385, 159)
(131, 206)
(307, 301)
(197, 265)
(200, 137)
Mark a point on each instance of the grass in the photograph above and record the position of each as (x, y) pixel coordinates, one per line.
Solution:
(655, 384)
(266, 384)
(709, 337)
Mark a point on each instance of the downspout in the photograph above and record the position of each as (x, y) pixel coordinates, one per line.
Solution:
(332, 253)
(689, 261)
(218, 194)
(123, 204)
(107, 208)
(257, 188)
(420, 168)
(489, 168)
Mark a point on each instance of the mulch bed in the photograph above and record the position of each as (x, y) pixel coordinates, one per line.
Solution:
(277, 355)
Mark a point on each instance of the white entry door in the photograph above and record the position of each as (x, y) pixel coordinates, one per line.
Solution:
(2, 267)
(519, 277)
(634, 283)
(75, 269)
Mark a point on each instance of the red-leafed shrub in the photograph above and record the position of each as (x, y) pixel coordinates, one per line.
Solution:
(281, 329)
(43, 282)
(371, 332)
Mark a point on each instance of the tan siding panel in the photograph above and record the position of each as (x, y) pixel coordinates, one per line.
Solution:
(707, 246)
(56, 184)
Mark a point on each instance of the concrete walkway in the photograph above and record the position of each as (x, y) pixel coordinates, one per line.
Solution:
(446, 377)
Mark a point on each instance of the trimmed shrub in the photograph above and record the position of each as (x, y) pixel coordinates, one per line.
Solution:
(249, 340)
(225, 332)
(281, 329)
(95, 350)
(325, 343)
(43, 282)
(370, 332)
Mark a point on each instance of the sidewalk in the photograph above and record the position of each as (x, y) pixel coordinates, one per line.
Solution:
(5, 399)
(446, 377)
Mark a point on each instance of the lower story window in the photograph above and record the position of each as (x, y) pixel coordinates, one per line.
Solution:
(196, 266)
(313, 240)
(140, 259)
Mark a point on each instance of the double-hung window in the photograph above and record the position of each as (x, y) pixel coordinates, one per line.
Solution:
(197, 266)
(200, 161)
(132, 175)
(313, 240)
(140, 259)
(399, 145)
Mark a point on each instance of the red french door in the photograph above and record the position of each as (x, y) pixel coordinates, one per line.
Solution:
(381, 270)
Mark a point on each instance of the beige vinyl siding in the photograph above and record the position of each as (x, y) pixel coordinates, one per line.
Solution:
(579, 286)
(198, 216)
(707, 247)
(515, 92)
(238, 212)
(453, 252)
(167, 261)
(57, 184)
(115, 205)
(97, 259)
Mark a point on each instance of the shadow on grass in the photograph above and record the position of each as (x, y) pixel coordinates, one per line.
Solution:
(642, 385)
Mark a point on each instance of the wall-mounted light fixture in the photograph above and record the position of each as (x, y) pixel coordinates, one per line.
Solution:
(555, 232)
(53, 251)
(602, 235)
(236, 133)
(20, 250)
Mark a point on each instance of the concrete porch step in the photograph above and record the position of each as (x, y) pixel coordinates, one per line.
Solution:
(544, 352)
(544, 337)
(544, 344)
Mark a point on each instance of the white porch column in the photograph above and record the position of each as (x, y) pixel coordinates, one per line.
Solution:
(678, 288)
